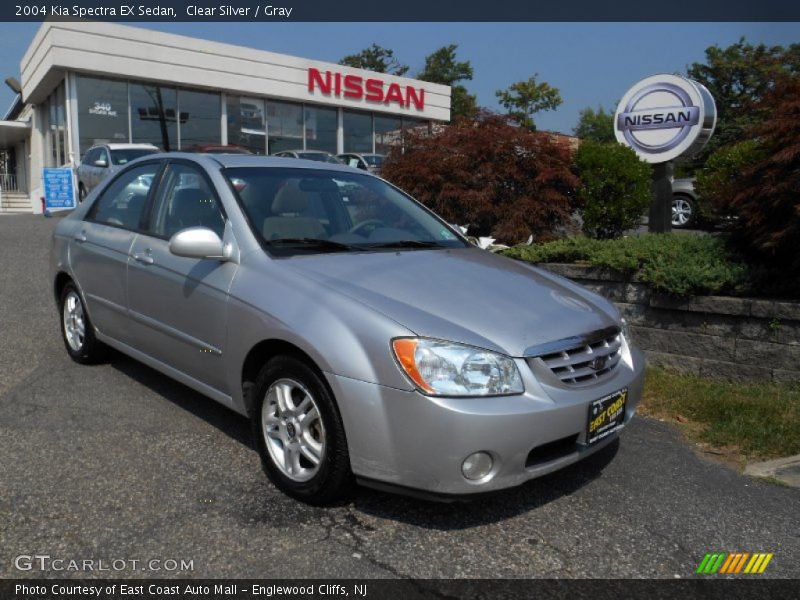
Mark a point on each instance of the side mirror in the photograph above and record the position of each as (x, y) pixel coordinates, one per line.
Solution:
(197, 242)
(100, 162)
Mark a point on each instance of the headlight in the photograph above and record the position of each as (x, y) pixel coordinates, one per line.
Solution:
(448, 369)
(625, 329)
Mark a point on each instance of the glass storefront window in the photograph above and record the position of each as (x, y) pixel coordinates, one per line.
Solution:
(284, 126)
(246, 126)
(388, 133)
(200, 119)
(418, 126)
(154, 116)
(56, 133)
(357, 131)
(320, 126)
(102, 112)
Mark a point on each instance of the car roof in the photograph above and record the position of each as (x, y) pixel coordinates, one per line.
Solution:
(256, 160)
(130, 146)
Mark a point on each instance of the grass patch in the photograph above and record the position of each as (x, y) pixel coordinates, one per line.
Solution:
(681, 265)
(748, 421)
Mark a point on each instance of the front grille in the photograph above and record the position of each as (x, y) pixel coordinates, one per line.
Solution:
(586, 362)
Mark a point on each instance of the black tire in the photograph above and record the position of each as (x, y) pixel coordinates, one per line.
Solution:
(682, 202)
(81, 193)
(333, 480)
(90, 350)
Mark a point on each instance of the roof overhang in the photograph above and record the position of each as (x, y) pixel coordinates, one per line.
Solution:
(13, 132)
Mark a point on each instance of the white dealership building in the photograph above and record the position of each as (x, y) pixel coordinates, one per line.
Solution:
(86, 83)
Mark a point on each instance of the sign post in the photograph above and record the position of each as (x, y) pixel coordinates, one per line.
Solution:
(59, 189)
(661, 118)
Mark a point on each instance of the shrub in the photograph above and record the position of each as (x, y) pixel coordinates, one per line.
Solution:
(681, 265)
(766, 197)
(721, 178)
(501, 180)
(615, 188)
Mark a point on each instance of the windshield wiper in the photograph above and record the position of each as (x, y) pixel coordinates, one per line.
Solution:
(406, 244)
(316, 243)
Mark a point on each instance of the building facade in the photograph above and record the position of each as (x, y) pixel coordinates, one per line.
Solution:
(89, 83)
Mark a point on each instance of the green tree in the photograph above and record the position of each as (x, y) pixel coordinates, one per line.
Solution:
(376, 58)
(596, 125)
(738, 77)
(442, 67)
(524, 99)
(615, 188)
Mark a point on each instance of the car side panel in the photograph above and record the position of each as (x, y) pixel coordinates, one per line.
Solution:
(178, 309)
(98, 256)
(339, 335)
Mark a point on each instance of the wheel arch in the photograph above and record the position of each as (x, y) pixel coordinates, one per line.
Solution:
(62, 278)
(265, 350)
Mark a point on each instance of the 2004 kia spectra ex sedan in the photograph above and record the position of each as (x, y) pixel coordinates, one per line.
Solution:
(364, 337)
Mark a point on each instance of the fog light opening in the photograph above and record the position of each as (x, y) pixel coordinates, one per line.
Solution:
(477, 466)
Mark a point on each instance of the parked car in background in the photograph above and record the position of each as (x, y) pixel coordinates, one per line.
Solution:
(217, 149)
(685, 204)
(316, 155)
(366, 162)
(318, 301)
(102, 161)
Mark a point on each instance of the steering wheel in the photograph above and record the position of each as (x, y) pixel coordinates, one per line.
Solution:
(374, 222)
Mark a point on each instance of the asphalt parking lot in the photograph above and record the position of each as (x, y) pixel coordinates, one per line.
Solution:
(119, 462)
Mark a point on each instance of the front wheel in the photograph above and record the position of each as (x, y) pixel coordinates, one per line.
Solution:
(77, 330)
(299, 432)
(684, 211)
(81, 193)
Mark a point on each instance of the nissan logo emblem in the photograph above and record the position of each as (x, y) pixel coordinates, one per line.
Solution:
(665, 116)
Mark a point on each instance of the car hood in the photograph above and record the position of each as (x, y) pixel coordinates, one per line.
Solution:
(464, 295)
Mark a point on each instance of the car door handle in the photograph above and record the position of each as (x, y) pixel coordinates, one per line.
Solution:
(144, 259)
(81, 237)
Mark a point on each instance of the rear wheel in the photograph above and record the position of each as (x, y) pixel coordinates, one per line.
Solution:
(77, 330)
(299, 432)
(684, 211)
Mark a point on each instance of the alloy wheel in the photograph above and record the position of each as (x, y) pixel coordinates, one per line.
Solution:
(74, 322)
(681, 212)
(293, 431)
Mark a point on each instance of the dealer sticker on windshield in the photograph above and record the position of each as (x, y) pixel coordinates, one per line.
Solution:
(606, 416)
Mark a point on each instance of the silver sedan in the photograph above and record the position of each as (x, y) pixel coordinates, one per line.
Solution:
(364, 337)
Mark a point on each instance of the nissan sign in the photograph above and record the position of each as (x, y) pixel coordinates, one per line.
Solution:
(665, 116)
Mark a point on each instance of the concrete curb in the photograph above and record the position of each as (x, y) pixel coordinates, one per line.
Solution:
(786, 470)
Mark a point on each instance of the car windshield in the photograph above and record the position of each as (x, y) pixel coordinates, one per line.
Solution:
(309, 210)
(319, 157)
(126, 155)
(374, 160)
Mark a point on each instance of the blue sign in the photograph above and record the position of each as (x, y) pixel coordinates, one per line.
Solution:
(59, 189)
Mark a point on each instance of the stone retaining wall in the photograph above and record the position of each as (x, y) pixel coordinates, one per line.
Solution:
(720, 336)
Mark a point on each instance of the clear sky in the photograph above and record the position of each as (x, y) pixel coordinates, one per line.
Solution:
(591, 63)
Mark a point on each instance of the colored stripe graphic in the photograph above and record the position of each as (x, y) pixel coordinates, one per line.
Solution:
(715, 563)
(741, 562)
(753, 564)
(702, 567)
(728, 563)
(766, 562)
(733, 563)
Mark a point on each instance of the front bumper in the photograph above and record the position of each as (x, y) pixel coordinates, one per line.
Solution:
(406, 439)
